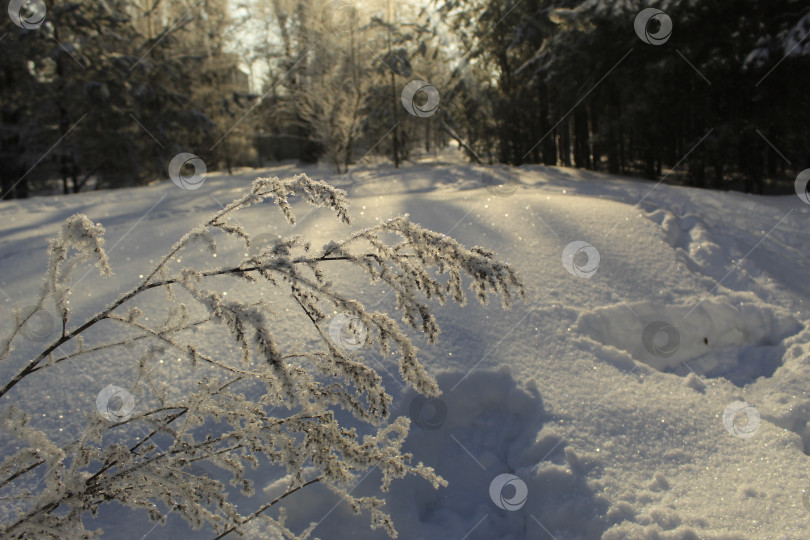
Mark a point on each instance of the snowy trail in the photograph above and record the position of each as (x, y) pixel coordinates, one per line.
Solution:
(610, 430)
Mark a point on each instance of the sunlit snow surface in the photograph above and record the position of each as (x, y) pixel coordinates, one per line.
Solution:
(606, 394)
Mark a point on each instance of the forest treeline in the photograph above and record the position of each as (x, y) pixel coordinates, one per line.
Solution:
(723, 96)
(104, 93)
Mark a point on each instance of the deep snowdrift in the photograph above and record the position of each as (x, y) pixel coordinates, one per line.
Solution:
(609, 393)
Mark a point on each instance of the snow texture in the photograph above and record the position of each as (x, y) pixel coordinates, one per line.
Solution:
(617, 433)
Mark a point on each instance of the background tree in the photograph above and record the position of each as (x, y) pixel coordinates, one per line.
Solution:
(574, 86)
(127, 85)
(118, 88)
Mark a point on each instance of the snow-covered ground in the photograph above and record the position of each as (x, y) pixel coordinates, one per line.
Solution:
(610, 392)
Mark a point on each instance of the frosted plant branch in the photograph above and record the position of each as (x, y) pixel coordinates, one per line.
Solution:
(225, 418)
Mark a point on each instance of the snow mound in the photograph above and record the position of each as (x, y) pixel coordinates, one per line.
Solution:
(691, 236)
(487, 427)
(739, 337)
(505, 474)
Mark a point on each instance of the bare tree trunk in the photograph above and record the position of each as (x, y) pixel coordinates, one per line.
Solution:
(394, 107)
(396, 120)
(461, 142)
